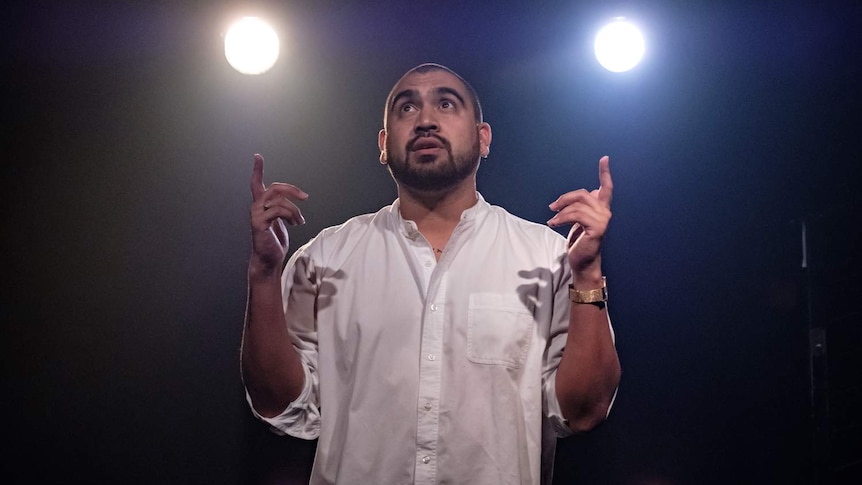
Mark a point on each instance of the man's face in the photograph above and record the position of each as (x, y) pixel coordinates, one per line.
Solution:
(432, 142)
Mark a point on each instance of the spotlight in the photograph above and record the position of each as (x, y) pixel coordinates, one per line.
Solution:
(619, 46)
(251, 46)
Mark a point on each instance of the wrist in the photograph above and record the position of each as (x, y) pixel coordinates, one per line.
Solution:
(597, 296)
(259, 272)
(587, 279)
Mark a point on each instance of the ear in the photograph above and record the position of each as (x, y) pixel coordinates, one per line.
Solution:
(381, 144)
(484, 139)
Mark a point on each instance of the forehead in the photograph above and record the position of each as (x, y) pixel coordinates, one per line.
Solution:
(423, 82)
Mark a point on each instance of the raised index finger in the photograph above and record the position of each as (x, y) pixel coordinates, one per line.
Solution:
(257, 186)
(606, 184)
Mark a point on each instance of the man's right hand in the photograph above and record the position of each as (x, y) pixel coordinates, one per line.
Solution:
(271, 212)
(271, 368)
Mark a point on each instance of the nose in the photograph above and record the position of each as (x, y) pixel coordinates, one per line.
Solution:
(426, 124)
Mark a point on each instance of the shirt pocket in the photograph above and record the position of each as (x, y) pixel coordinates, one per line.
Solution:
(499, 330)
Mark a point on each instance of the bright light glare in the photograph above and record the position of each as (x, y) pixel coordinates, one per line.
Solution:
(251, 46)
(619, 46)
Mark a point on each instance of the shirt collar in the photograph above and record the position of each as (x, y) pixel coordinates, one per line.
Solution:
(409, 228)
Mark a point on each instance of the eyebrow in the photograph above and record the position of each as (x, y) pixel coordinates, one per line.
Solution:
(411, 93)
(453, 92)
(407, 93)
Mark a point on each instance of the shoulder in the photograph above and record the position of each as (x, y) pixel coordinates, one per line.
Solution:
(341, 238)
(532, 230)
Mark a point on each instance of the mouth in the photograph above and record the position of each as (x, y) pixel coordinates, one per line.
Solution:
(426, 144)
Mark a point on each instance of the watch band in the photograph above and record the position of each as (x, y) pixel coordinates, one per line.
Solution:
(589, 296)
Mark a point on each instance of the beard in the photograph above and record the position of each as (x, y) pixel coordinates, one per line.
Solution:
(424, 173)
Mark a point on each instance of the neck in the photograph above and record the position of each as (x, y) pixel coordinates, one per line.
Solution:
(436, 214)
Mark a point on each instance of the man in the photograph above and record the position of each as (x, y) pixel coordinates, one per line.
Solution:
(434, 341)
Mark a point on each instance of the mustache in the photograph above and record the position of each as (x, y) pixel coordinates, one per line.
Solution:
(415, 139)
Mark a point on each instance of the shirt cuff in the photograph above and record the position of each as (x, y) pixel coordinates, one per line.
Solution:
(560, 424)
(555, 415)
(300, 419)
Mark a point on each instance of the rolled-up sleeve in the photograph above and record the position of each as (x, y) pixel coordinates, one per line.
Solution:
(552, 409)
(301, 418)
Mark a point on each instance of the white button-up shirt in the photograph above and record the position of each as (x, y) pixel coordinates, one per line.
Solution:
(419, 371)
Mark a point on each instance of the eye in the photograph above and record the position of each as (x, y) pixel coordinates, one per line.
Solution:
(407, 107)
(446, 104)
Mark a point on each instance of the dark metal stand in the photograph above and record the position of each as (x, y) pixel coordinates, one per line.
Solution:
(818, 375)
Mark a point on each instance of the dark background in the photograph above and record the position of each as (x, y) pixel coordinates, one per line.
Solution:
(127, 146)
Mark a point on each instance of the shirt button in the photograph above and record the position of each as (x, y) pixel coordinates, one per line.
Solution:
(432, 357)
(427, 406)
(433, 307)
(426, 459)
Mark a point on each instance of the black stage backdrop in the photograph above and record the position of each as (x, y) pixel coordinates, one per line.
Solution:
(127, 145)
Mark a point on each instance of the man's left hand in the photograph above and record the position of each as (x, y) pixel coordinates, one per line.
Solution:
(590, 213)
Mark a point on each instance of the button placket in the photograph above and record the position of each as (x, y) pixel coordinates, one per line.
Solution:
(430, 381)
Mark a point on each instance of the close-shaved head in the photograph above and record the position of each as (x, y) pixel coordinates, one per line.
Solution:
(429, 67)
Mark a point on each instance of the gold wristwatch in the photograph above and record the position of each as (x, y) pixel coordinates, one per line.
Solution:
(590, 296)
